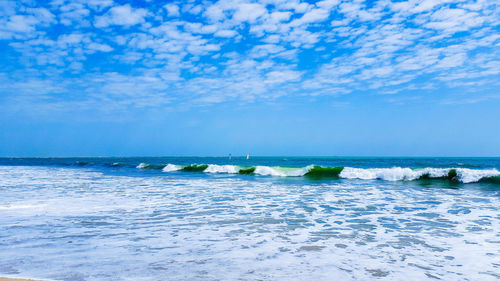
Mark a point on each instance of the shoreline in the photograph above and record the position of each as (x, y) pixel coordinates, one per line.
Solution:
(16, 279)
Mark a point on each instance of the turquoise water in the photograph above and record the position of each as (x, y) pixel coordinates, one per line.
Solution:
(450, 170)
(360, 162)
(378, 218)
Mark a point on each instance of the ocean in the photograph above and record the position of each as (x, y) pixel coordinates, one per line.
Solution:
(265, 218)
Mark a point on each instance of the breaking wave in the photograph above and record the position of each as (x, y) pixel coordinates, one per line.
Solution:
(148, 166)
(463, 175)
(227, 169)
(171, 168)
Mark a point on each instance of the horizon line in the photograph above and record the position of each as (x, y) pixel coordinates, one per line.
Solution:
(251, 156)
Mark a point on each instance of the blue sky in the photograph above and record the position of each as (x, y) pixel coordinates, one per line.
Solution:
(104, 77)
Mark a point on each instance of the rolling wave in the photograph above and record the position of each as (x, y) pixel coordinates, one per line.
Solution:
(171, 168)
(148, 166)
(462, 175)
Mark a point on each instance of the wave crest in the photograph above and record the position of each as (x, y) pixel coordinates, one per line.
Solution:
(149, 166)
(224, 169)
(463, 175)
(171, 168)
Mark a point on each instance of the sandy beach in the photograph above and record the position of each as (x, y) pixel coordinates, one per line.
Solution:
(15, 279)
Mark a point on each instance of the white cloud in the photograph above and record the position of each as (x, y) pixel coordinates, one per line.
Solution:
(24, 25)
(192, 9)
(226, 33)
(426, 5)
(98, 4)
(282, 76)
(453, 20)
(279, 16)
(214, 13)
(173, 10)
(315, 15)
(21, 23)
(99, 47)
(74, 13)
(43, 15)
(266, 50)
(277, 47)
(327, 4)
(249, 12)
(207, 29)
(121, 15)
(452, 61)
(199, 28)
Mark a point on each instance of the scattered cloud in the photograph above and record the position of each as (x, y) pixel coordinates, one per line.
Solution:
(173, 10)
(121, 15)
(199, 53)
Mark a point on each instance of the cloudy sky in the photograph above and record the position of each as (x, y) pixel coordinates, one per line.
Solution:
(271, 77)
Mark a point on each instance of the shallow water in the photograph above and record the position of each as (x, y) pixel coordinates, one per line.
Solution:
(89, 223)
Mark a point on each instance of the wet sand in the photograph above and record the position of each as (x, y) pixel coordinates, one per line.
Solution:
(15, 279)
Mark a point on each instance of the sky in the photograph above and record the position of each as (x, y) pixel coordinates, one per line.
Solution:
(270, 77)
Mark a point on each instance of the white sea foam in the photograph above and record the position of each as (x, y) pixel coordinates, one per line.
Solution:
(171, 168)
(464, 175)
(282, 171)
(268, 171)
(229, 228)
(433, 172)
(224, 169)
(142, 166)
(391, 174)
(407, 174)
(21, 206)
(297, 172)
(470, 175)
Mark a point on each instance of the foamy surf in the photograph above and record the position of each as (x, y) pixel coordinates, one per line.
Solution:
(225, 169)
(471, 175)
(21, 206)
(392, 174)
(282, 171)
(148, 166)
(268, 171)
(360, 225)
(463, 175)
(171, 168)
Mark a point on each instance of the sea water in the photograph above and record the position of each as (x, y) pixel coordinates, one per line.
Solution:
(286, 218)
